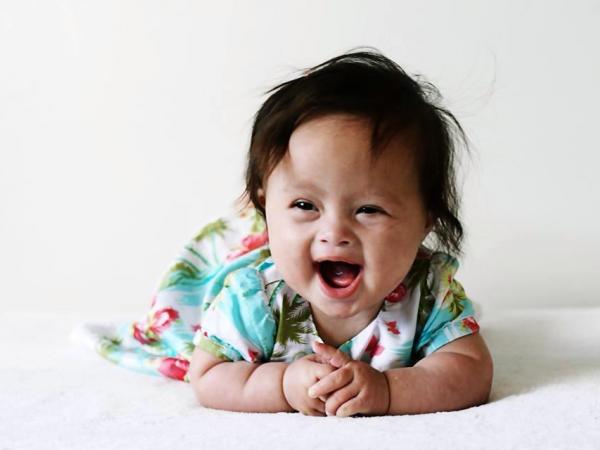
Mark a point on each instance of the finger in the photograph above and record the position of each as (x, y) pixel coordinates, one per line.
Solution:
(331, 383)
(323, 371)
(340, 398)
(324, 367)
(317, 358)
(350, 408)
(313, 407)
(317, 405)
(313, 412)
(334, 356)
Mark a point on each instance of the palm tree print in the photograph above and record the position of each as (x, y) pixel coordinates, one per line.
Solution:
(188, 349)
(216, 227)
(181, 270)
(292, 321)
(455, 298)
(426, 302)
(417, 273)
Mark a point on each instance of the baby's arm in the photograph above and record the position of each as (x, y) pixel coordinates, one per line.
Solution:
(237, 386)
(456, 376)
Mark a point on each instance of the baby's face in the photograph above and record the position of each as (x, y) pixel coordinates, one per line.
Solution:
(327, 200)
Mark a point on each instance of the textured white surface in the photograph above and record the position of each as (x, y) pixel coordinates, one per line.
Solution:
(55, 394)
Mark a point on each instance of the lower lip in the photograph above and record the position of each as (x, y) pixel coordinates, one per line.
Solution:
(340, 292)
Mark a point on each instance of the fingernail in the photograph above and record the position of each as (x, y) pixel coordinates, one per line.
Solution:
(311, 393)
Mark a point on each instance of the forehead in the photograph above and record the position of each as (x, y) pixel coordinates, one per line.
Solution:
(334, 151)
(327, 128)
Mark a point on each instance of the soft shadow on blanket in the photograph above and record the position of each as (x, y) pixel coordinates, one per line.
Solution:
(530, 354)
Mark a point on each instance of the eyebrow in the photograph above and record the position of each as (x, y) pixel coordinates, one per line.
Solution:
(299, 185)
(384, 195)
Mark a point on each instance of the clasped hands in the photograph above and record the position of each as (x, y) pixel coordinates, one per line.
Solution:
(329, 382)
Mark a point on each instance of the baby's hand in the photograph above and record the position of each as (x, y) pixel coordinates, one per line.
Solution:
(298, 377)
(354, 388)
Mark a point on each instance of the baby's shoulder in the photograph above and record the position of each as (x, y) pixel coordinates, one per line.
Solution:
(431, 266)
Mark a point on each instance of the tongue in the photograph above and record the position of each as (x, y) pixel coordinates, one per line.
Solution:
(339, 274)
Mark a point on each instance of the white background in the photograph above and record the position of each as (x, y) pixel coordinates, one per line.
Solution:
(124, 127)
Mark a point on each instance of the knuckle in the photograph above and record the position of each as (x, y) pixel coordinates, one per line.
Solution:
(326, 370)
(353, 364)
(340, 354)
(339, 376)
(346, 369)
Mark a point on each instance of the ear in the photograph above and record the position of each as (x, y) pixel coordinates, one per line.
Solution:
(262, 199)
(429, 224)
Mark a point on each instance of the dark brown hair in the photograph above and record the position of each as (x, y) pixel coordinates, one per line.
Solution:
(369, 85)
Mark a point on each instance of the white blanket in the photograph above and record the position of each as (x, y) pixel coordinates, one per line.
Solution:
(55, 394)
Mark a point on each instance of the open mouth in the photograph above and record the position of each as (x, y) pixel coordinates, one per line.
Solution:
(338, 274)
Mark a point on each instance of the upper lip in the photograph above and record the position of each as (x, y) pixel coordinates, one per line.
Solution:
(337, 258)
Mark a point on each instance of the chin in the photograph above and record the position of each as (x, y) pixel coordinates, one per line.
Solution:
(334, 307)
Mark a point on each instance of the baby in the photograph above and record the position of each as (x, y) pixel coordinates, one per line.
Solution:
(344, 311)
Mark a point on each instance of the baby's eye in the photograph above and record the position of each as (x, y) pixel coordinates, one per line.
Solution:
(369, 210)
(303, 205)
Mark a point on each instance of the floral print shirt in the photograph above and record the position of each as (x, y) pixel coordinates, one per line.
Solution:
(224, 293)
(256, 317)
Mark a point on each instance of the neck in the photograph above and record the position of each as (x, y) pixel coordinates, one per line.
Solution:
(337, 331)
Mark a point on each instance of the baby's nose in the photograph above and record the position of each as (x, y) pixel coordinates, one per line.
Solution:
(336, 233)
(335, 241)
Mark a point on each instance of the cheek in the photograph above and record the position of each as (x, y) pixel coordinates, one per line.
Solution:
(283, 232)
(284, 245)
(392, 248)
(293, 264)
(278, 238)
(290, 253)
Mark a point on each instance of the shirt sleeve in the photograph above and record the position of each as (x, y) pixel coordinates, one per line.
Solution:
(445, 312)
(239, 324)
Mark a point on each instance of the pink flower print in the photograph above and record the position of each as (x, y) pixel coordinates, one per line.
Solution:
(252, 354)
(140, 335)
(158, 321)
(255, 240)
(397, 294)
(174, 367)
(470, 323)
(373, 347)
(162, 318)
(392, 327)
(196, 327)
(249, 243)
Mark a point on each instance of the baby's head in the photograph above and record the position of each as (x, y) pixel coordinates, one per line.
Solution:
(353, 162)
